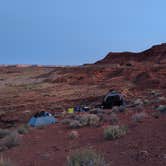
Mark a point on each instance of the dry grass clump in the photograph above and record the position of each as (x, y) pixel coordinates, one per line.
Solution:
(139, 117)
(114, 132)
(74, 124)
(86, 157)
(84, 120)
(66, 121)
(156, 114)
(4, 133)
(24, 129)
(73, 134)
(94, 120)
(89, 120)
(113, 118)
(11, 140)
(5, 162)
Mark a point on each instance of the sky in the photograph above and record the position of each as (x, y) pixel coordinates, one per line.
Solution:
(74, 32)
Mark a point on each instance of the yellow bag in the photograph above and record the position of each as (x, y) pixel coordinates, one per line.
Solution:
(70, 110)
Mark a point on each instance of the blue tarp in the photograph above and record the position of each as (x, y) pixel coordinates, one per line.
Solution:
(41, 121)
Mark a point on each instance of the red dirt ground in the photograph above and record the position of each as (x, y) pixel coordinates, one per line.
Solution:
(26, 90)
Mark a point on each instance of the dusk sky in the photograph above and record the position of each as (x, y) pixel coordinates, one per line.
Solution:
(73, 32)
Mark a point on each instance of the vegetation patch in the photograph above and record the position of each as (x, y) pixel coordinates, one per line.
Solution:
(114, 132)
(74, 124)
(5, 162)
(86, 157)
(139, 117)
(11, 140)
(73, 134)
(83, 120)
(24, 129)
(4, 133)
(113, 118)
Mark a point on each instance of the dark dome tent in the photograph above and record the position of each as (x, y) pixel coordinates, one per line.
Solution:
(112, 99)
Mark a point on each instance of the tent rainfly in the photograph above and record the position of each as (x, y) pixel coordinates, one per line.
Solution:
(42, 119)
(112, 99)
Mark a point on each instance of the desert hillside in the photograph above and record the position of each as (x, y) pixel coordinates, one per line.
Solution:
(140, 77)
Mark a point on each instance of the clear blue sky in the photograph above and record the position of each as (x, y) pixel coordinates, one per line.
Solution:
(77, 31)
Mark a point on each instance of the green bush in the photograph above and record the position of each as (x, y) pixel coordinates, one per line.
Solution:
(114, 132)
(86, 157)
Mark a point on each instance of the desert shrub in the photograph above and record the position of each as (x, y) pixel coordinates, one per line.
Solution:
(66, 121)
(139, 117)
(74, 124)
(84, 120)
(24, 129)
(101, 116)
(4, 133)
(161, 108)
(5, 162)
(146, 102)
(11, 140)
(162, 98)
(115, 109)
(113, 118)
(86, 157)
(73, 134)
(155, 93)
(138, 102)
(122, 108)
(156, 114)
(89, 120)
(96, 111)
(114, 132)
(94, 120)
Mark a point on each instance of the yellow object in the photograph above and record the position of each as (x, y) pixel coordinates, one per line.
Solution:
(70, 110)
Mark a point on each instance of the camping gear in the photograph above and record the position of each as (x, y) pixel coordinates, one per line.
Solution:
(81, 109)
(70, 110)
(112, 99)
(41, 119)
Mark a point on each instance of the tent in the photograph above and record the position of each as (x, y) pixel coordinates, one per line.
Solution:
(41, 119)
(112, 99)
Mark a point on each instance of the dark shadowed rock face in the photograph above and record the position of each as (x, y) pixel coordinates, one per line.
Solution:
(156, 54)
